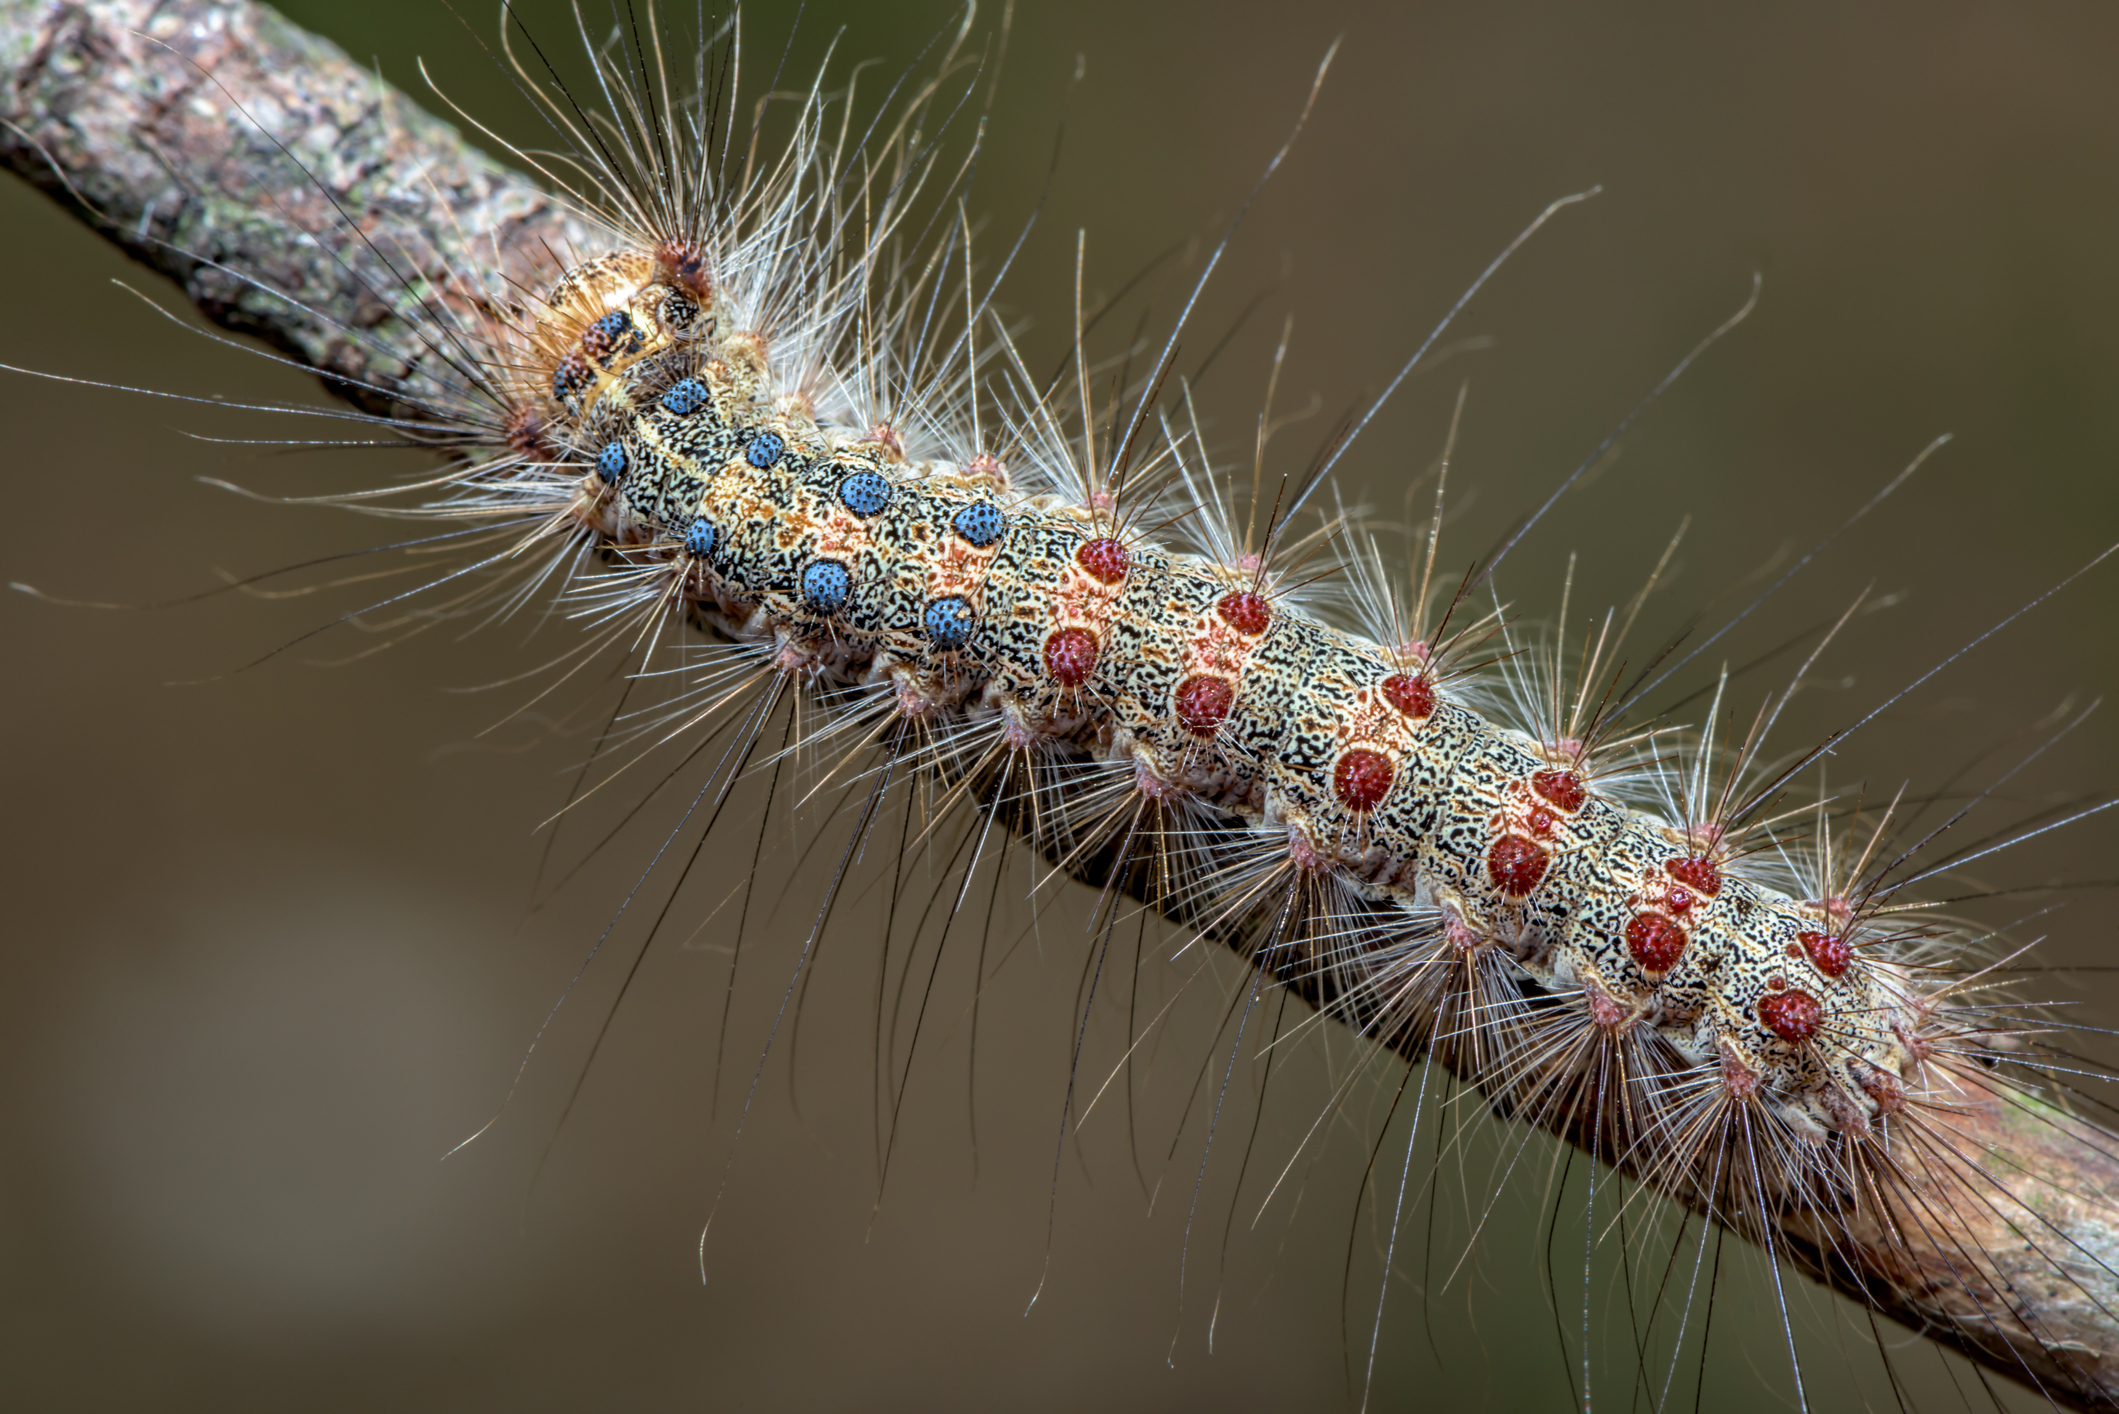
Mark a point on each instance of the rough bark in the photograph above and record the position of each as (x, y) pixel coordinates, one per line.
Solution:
(207, 137)
(2015, 1266)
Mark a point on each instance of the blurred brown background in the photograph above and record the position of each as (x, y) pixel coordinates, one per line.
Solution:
(269, 954)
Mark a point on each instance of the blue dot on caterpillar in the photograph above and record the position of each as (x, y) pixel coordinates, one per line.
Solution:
(825, 586)
(979, 524)
(685, 397)
(699, 540)
(613, 336)
(765, 449)
(865, 493)
(949, 622)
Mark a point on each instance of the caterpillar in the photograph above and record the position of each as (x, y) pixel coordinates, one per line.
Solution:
(882, 463)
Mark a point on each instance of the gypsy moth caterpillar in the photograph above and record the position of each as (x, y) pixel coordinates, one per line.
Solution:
(1537, 412)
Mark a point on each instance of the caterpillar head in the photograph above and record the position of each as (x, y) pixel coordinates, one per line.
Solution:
(605, 315)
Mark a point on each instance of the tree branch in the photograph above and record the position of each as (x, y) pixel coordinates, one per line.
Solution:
(208, 138)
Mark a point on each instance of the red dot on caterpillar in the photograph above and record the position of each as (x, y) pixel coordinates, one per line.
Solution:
(1793, 1016)
(1655, 942)
(1699, 871)
(1362, 778)
(1414, 696)
(1542, 820)
(1203, 703)
(1828, 951)
(1105, 559)
(1561, 788)
(1516, 864)
(1680, 900)
(1070, 655)
(1245, 612)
